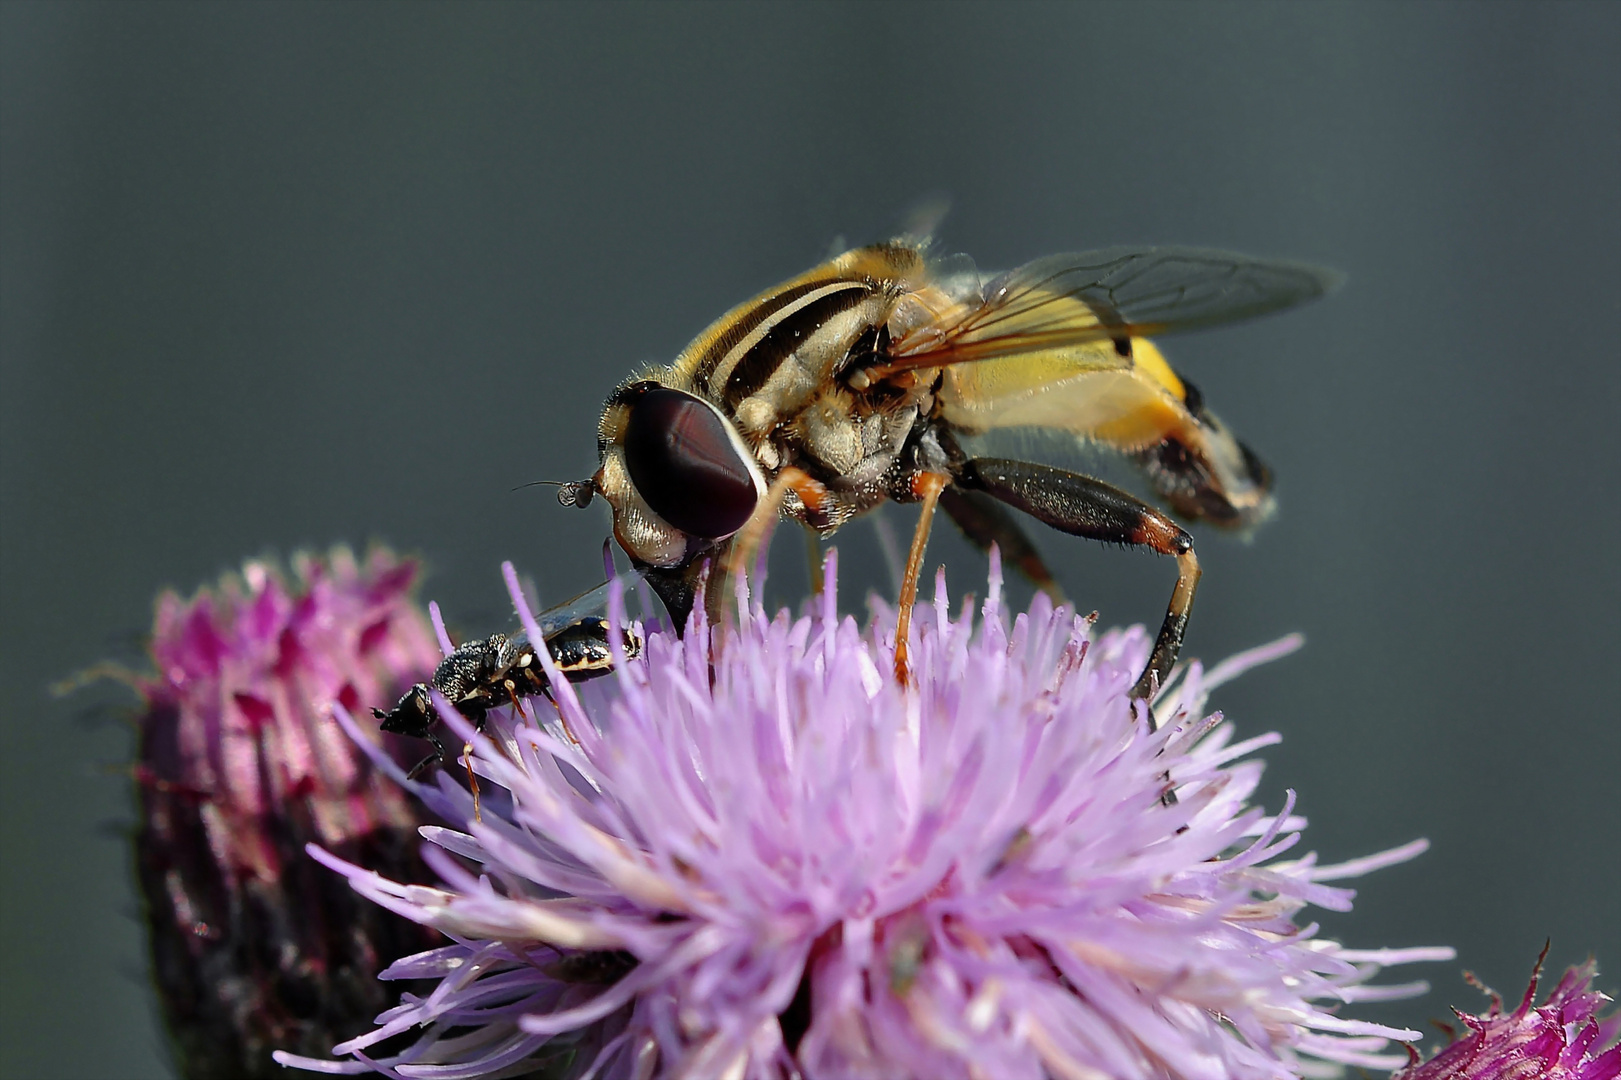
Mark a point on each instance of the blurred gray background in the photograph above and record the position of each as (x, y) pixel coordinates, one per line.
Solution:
(279, 276)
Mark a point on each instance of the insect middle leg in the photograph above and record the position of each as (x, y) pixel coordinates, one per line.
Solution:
(1082, 506)
(927, 487)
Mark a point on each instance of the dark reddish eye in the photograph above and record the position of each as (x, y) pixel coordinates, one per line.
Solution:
(686, 466)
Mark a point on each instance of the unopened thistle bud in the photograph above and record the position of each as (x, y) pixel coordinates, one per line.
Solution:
(254, 947)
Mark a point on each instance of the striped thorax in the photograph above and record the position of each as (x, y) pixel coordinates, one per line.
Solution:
(687, 450)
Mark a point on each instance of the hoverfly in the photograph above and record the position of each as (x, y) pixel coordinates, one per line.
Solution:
(870, 378)
(503, 669)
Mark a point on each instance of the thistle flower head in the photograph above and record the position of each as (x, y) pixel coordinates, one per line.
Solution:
(754, 855)
(240, 766)
(1564, 1038)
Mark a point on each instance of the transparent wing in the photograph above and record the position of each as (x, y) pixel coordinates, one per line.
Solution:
(1113, 295)
(595, 602)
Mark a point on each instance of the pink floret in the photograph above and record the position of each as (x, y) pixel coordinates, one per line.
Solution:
(753, 854)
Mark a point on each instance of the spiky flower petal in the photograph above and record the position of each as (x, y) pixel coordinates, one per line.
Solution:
(240, 767)
(755, 855)
(1565, 1038)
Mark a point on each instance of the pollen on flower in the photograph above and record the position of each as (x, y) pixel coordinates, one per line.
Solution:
(755, 856)
(240, 767)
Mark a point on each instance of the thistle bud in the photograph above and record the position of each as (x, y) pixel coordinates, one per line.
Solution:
(254, 947)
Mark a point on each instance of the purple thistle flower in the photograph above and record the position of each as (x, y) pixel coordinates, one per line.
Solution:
(1564, 1039)
(241, 767)
(752, 854)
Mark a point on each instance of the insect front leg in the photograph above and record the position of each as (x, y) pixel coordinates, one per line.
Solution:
(434, 758)
(743, 546)
(1082, 506)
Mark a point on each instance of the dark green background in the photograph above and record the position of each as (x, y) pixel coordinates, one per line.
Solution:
(277, 276)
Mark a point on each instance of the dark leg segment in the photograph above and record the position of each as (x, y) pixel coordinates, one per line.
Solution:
(985, 522)
(1082, 506)
(1169, 642)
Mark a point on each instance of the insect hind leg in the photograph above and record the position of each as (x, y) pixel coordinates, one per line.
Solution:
(1082, 506)
(984, 521)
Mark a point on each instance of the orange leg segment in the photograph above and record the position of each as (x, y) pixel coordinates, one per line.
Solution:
(472, 779)
(927, 487)
(747, 540)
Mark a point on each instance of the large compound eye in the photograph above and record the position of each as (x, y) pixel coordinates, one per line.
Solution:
(687, 466)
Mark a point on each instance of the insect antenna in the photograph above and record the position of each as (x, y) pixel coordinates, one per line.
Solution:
(575, 493)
